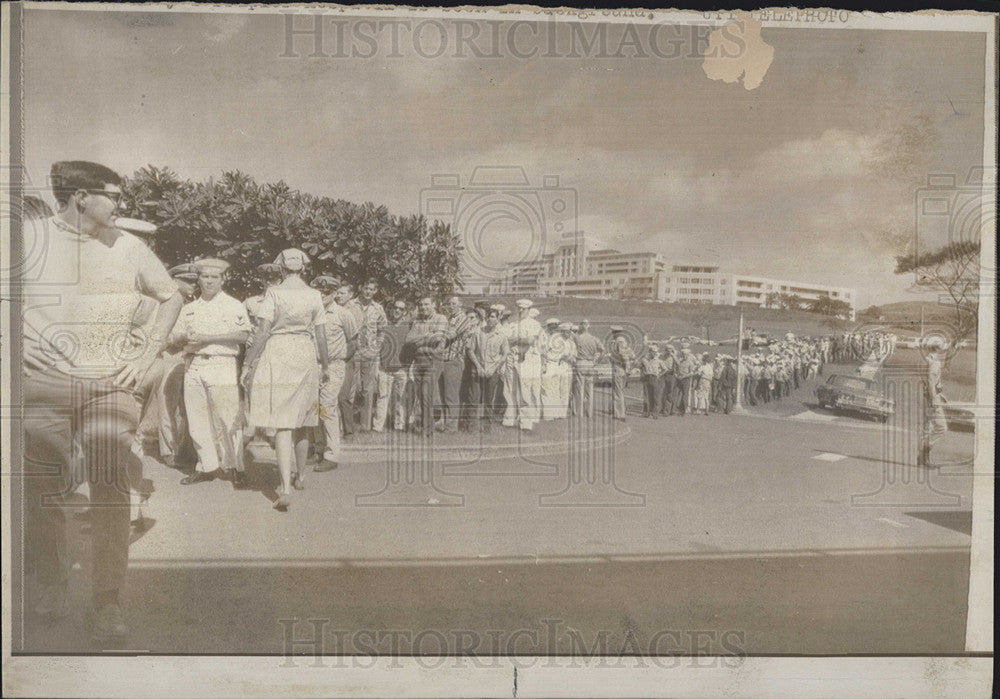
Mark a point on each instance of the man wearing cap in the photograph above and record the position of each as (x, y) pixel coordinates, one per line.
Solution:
(684, 372)
(78, 384)
(488, 354)
(425, 342)
(557, 374)
(212, 329)
(669, 360)
(160, 391)
(393, 371)
(526, 381)
(727, 384)
(370, 339)
(588, 352)
(341, 330)
(508, 404)
(935, 421)
(621, 363)
(461, 330)
(652, 369)
(345, 298)
(176, 449)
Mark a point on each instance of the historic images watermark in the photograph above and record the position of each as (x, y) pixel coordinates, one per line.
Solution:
(553, 642)
(319, 34)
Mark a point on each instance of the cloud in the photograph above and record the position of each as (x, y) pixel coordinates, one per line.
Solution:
(222, 28)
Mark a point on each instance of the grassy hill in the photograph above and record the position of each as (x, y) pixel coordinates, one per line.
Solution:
(903, 317)
(675, 319)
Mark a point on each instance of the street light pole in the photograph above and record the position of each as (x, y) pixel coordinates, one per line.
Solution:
(738, 407)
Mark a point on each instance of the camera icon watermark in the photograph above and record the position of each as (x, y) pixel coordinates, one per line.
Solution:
(501, 219)
(952, 214)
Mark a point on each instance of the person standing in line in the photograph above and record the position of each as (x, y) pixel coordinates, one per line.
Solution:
(669, 360)
(686, 369)
(341, 330)
(345, 298)
(425, 342)
(935, 420)
(621, 363)
(525, 339)
(212, 329)
(78, 385)
(703, 388)
(551, 370)
(452, 362)
(653, 369)
(588, 352)
(268, 274)
(370, 339)
(488, 354)
(727, 384)
(567, 363)
(510, 392)
(393, 372)
(282, 372)
(176, 449)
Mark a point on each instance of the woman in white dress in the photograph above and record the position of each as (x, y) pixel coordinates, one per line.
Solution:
(704, 385)
(281, 369)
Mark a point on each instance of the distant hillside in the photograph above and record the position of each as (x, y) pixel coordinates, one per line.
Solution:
(904, 317)
(675, 319)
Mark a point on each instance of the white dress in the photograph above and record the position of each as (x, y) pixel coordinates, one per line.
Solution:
(285, 389)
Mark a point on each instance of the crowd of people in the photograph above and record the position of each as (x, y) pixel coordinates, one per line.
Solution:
(868, 345)
(305, 363)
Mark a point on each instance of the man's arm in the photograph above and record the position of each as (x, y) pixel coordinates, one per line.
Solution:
(166, 316)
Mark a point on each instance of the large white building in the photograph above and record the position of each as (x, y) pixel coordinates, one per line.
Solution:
(582, 265)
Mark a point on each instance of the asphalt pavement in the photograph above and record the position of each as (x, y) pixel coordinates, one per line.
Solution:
(785, 530)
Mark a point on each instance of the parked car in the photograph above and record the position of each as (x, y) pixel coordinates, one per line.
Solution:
(855, 394)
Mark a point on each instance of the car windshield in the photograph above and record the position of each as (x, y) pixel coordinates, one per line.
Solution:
(850, 383)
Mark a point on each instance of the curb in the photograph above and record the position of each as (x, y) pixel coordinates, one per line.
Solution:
(417, 448)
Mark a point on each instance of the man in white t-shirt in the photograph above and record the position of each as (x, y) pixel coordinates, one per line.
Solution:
(81, 366)
(212, 328)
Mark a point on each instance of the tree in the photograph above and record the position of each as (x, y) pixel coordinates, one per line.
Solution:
(954, 270)
(870, 313)
(247, 223)
(827, 306)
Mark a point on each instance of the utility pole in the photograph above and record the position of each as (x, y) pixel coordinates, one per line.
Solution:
(738, 407)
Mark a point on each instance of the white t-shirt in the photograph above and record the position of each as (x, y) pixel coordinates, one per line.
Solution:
(80, 298)
(220, 316)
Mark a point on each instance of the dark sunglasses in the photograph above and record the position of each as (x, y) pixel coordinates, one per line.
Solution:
(116, 197)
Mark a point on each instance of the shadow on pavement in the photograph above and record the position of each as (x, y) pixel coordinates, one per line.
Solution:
(813, 603)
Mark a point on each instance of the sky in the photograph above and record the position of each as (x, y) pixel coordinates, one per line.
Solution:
(651, 154)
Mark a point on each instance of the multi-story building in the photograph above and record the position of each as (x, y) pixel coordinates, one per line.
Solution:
(581, 265)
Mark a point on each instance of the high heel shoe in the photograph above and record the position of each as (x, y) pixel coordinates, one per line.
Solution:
(282, 503)
(298, 482)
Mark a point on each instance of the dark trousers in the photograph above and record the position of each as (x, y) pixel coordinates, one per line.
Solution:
(470, 394)
(683, 393)
(58, 407)
(654, 393)
(368, 385)
(426, 374)
(346, 398)
(451, 384)
(764, 390)
(727, 398)
(669, 394)
(483, 394)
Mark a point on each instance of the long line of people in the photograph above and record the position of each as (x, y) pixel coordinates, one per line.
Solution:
(323, 361)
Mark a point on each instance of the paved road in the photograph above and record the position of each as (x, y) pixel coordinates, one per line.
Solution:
(768, 534)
